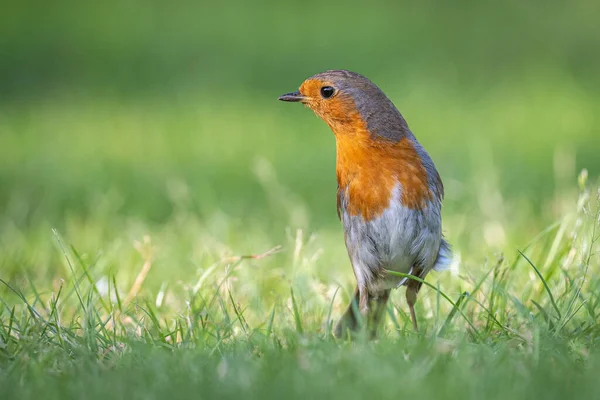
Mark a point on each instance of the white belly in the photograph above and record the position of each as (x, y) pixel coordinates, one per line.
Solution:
(398, 239)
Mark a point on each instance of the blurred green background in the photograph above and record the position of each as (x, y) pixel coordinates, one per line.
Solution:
(121, 119)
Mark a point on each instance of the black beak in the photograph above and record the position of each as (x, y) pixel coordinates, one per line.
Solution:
(294, 96)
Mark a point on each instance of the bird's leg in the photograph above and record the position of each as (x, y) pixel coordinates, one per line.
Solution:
(412, 289)
(377, 311)
(349, 320)
(411, 298)
(363, 304)
(366, 308)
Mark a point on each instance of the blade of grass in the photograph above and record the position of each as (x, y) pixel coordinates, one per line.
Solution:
(569, 317)
(33, 312)
(390, 311)
(38, 299)
(453, 312)
(329, 322)
(117, 296)
(297, 318)
(525, 312)
(150, 313)
(66, 256)
(270, 324)
(479, 284)
(542, 311)
(543, 282)
(89, 277)
(239, 314)
(495, 320)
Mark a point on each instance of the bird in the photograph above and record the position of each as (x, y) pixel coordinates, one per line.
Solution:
(389, 194)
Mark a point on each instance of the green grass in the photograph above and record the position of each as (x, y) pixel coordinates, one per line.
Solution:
(510, 328)
(168, 229)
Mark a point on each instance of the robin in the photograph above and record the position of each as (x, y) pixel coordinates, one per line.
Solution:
(389, 193)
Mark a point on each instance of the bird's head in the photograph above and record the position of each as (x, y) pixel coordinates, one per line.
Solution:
(345, 100)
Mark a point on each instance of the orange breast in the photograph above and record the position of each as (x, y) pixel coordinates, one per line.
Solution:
(369, 169)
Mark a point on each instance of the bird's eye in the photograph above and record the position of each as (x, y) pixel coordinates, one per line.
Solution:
(327, 91)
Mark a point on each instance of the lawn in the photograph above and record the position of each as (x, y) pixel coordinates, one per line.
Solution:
(168, 228)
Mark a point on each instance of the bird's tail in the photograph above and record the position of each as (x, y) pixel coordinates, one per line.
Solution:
(444, 257)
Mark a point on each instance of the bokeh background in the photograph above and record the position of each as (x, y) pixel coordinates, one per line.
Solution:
(125, 120)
